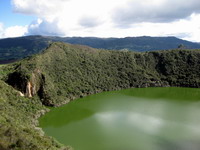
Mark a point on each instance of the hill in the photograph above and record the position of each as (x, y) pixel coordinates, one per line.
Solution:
(64, 72)
(16, 48)
(18, 122)
(140, 44)
(12, 49)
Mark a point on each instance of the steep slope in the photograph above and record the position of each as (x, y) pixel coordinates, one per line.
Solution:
(64, 72)
(17, 48)
(18, 122)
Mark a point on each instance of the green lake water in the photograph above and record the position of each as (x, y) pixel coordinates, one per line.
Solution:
(132, 119)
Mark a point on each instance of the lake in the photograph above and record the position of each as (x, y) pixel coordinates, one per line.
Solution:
(132, 119)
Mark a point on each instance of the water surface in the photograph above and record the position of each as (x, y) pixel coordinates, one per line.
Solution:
(132, 119)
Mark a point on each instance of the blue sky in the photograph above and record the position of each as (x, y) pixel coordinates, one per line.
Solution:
(9, 18)
(101, 18)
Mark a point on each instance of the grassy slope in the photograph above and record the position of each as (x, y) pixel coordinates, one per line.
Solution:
(18, 121)
(64, 72)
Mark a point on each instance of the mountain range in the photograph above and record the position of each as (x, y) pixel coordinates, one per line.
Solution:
(16, 48)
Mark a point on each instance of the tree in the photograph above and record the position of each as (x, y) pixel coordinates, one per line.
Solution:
(181, 46)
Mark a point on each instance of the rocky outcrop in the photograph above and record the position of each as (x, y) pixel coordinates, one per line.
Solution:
(27, 85)
(21, 94)
(29, 89)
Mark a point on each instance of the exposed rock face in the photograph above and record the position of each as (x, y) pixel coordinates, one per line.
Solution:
(28, 86)
(29, 90)
(33, 85)
(21, 94)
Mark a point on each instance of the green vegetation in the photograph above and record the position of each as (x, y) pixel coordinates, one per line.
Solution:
(64, 72)
(12, 49)
(18, 121)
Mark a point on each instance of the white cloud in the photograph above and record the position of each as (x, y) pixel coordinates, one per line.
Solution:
(89, 21)
(14, 31)
(44, 27)
(44, 8)
(154, 11)
(69, 16)
(112, 18)
(192, 27)
(1, 28)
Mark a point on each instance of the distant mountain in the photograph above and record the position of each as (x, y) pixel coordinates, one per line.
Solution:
(20, 47)
(143, 43)
(17, 48)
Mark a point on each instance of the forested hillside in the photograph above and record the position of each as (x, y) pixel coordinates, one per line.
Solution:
(12, 49)
(64, 72)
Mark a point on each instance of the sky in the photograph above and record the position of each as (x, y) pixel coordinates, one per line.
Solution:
(101, 18)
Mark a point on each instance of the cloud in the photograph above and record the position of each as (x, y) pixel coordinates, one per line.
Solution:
(1, 27)
(14, 31)
(188, 29)
(1, 30)
(112, 18)
(42, 8)
(67, 17)
(44, 27)
(192, 27)
(89, 22)
(157, 11)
